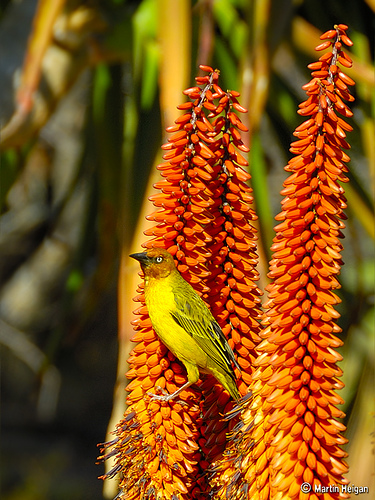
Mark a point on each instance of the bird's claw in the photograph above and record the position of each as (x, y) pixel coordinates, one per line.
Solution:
(164, 397)
(159, 397)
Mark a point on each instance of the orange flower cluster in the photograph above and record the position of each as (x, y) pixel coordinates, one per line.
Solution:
(289, 445)
(204, 220)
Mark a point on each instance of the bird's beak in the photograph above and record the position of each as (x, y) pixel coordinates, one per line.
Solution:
(141, 257)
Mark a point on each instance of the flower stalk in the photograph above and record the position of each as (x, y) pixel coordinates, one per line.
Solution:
(290, 435)
(204, 219)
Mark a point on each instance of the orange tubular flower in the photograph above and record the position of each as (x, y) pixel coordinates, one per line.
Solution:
(203, 219)
(289, 443)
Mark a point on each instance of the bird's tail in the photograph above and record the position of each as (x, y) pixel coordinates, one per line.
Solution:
(228, 381)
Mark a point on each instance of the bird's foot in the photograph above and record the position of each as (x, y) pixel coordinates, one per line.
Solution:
(160, 397)
(165, 396)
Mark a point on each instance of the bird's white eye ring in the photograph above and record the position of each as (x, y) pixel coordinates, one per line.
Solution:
(159, 259)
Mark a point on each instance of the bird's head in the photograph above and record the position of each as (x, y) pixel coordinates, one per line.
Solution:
(155, 263)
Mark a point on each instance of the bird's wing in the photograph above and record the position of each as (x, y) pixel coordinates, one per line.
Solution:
(193, 316)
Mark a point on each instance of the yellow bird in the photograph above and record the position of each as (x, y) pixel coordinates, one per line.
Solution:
(184, 323)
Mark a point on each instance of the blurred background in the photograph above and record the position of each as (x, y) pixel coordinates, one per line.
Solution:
(86, 91)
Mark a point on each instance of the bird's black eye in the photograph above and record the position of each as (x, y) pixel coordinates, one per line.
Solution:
(159, 259)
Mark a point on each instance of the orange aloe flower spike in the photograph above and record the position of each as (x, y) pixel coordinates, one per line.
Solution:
(202, 211)
(289, 433)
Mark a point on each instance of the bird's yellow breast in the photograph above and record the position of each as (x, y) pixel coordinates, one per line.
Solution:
(160, 301)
